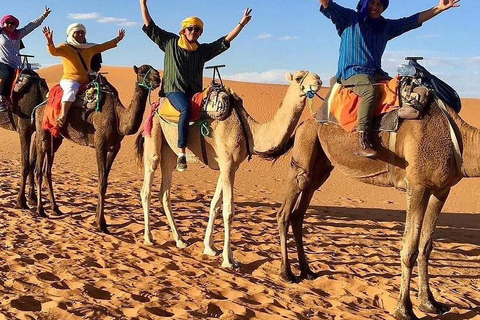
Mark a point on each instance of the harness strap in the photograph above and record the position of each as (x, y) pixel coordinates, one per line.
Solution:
(392, 143)
(456, 146)
(244, 130)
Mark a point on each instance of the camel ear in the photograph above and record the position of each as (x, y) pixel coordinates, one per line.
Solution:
(135, 69)
(289, 77)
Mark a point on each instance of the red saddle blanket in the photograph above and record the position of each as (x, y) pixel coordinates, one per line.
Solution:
(52, 110)
(343, 103)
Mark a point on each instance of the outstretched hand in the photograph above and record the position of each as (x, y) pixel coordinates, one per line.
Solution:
(247, 17)
(121, 35)
(48, 35)
(447, 4)
(47, 11)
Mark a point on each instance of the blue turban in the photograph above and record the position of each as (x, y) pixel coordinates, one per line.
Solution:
(362, 6)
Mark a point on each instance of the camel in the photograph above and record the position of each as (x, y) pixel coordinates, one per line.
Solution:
(229, 144)
(29, 91)
(422, 161)
(103, 131)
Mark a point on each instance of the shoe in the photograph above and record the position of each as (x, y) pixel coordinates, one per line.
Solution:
(60, 122)
(3, 106)
(182, 163)
(365, 148)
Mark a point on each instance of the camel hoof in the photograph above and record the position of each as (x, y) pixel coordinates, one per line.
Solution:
(434, 307)
(230, 265)
(41, 213)
(22, 205)
(210, 251)
(309, 275)
(104, 229)
(57, 212)
(180, 244)
(402, 314)
(148, 242)
(288, 276)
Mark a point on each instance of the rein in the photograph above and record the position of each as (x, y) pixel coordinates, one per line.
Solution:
(145, 85)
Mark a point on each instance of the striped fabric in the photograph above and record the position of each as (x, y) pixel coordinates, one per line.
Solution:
(183, 70)
(361, 48)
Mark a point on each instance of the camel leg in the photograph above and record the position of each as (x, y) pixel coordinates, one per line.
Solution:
(214, 209)
(417, 201)
(31, 197)
(320, 174)
(168, 163)
(25, 139)
(304, 155)
(42, 146)
(151, 157)
(101, 152)
(227, 174)
(48, 175)
(427, 301)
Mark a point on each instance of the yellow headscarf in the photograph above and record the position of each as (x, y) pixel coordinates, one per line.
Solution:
(182, 41)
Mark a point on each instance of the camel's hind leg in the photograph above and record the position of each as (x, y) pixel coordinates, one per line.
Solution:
(26, 169)
(427, 301)
(31, 197)
(417, 201)
(168, 162)
(151, 158)
(214, 209)
(42, 146)
(48, 175)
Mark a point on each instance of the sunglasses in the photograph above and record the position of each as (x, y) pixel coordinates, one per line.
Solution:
(12, 23)
(196, 29)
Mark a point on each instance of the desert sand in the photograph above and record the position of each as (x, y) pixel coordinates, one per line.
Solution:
(61, 268)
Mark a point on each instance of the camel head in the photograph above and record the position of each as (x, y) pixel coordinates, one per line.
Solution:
(147, 77)
(304, 82)
(26, 79)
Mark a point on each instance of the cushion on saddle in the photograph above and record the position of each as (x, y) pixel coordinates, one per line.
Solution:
(344, 103)
(169, 113)
(52, 110)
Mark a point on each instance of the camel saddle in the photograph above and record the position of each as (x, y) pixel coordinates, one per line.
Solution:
(400, 98)
(205, 105)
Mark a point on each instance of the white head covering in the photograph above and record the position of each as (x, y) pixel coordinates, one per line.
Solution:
(71, 40)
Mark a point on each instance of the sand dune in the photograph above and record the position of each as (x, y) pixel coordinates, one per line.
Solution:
(60, 268)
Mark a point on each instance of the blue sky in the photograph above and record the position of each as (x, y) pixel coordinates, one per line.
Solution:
(283, 35)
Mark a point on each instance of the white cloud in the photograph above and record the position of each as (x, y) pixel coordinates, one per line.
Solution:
(288, 38)
(84, 16)
(270, 76)
(264, 36)
(100, 19)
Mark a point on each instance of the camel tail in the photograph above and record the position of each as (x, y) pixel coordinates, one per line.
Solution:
(275, 154)
(139, 148)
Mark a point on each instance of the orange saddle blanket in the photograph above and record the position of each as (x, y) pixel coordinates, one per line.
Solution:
(52, 110)
(343, 103)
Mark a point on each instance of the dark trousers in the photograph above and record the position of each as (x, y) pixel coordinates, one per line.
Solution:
(181, 102)
(7, 75)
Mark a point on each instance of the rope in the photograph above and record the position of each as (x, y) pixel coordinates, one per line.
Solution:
(205, 128)
(32, 116)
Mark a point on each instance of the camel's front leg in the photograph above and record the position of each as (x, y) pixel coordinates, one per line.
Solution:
(427, 301)
(48, 176)
(168, 163)
(26, 169)
(417, 200)
(31, 199)
(42, 147)
(214, 209)
(228, 177)
(101, 153)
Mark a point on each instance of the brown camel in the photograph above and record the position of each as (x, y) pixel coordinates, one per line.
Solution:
(29, 91)
(226, 149)
(423, 161)
(103, 131)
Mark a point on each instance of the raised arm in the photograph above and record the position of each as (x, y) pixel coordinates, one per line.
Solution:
(324, 3)
(442, 6)
(145, 14)
(239, 27)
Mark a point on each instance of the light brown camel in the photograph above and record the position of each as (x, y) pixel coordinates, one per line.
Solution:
(103, 131)
(422, 162)
(226, 149)
(29, 91)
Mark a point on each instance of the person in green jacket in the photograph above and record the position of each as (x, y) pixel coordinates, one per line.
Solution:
(185, 58)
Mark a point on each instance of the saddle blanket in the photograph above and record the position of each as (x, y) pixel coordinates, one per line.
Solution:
(52, 110)
(343, 105)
